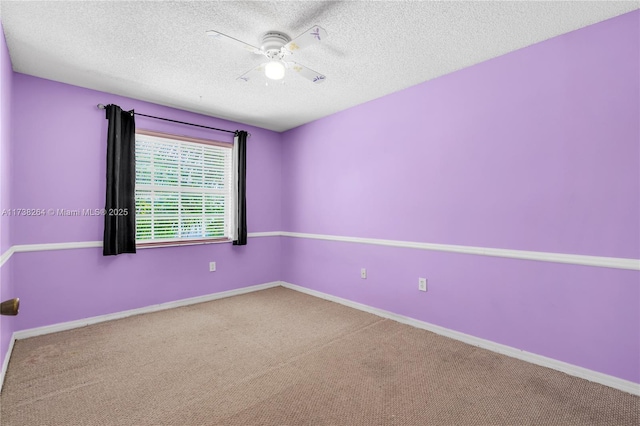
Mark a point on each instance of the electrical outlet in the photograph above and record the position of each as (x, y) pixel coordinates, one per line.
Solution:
(212, 266)
(422, 284)
(363, 273)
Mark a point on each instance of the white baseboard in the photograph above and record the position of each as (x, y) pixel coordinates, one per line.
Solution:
(5, 364)
(47, 329)
(39, 331)
(570, 369)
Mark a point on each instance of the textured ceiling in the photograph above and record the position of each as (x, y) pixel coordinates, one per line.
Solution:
(158, 51)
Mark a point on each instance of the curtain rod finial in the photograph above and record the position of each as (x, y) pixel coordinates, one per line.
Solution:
(101, 106)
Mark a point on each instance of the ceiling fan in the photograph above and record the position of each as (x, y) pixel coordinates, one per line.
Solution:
(276, 46)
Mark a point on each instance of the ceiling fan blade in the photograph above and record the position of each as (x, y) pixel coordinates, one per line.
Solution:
(312, 36)
(235, 41)
(305, 72)
(253, 73)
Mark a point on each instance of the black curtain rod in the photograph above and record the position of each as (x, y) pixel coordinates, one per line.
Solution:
(101, 106)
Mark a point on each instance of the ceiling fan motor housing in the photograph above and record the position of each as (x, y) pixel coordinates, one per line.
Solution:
(272, 42)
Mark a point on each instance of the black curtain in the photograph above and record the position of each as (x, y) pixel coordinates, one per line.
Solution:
(120, 217)
(241, 146)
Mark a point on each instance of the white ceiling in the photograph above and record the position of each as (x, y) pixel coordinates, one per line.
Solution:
(158, 51)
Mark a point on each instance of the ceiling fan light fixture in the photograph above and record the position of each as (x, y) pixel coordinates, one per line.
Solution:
(274, 70)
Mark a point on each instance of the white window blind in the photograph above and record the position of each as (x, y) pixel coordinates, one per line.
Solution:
(184, 190)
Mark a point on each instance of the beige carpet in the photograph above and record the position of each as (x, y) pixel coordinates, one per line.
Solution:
(279, 357)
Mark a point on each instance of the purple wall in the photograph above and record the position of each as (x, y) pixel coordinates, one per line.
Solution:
(60, 158)
(66, 285)
(7, 325)
(59, 155)
(535, 150)
(6, 86)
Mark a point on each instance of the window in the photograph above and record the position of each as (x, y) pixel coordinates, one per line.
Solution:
(184, 190)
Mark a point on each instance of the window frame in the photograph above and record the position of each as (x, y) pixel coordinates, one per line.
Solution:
(182, 138)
